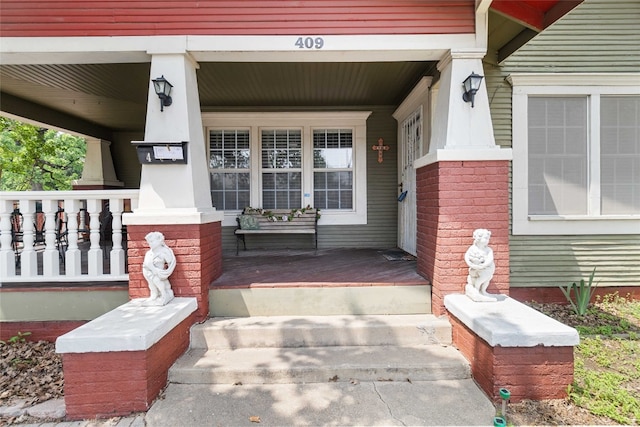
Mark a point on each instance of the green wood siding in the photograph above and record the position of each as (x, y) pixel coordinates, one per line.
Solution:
(598, 36)
(382, 205)
(545, 261)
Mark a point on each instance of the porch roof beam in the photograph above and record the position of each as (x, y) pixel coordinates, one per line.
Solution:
(349, 48)
(22, 109)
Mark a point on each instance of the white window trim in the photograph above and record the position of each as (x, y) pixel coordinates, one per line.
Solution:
(307, 121)
(592, 85)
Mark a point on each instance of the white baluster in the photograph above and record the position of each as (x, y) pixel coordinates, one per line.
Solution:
(117, 252)
(50, 258)
(28, 258)
(73, 266)
(82, 226)
(95, 252)
(7, 257)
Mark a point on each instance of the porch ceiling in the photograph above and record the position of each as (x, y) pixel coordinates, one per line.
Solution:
(514, 23)
(113, 96)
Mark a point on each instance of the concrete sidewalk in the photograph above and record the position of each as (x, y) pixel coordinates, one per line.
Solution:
(379, 403)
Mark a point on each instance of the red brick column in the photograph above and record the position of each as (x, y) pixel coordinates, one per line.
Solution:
(453, 199)
(535, 373)
(198, 251)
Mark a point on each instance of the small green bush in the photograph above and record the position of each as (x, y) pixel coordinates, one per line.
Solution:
(582, 294)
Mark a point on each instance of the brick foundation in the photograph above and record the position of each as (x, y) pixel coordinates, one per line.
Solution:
(40, 330)
(198, 251)
(534, 373)
(555, 295)
(453, 199)
(107, 384)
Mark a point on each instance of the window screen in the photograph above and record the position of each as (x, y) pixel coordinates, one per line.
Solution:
(620, 154)
(557, 157)
(281, 168)
(229, 162)
(333, 169)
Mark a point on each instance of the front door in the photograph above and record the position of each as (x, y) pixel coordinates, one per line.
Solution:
(411, 133)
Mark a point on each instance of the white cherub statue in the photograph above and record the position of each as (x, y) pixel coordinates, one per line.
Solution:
(159, 262)
(479, 258)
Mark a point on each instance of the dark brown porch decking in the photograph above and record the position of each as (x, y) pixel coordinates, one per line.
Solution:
(322, 268)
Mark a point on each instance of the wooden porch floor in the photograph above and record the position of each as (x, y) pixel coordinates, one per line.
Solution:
(321, 268)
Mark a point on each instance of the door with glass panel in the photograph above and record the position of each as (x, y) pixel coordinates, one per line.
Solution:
(410, 142)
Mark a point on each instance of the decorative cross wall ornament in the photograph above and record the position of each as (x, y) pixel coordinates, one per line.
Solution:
(380, 148)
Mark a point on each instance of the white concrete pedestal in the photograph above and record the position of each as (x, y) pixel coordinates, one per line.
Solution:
(509, 323)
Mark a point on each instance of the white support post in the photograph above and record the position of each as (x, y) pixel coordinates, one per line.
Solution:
(73, 266)
(28, 258)
(457, 125)
(95, 261)
(98, 165)
(7, 257)
(170, 191)
(50, 257)
(116, 207)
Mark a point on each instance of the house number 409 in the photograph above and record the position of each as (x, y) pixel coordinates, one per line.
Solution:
(310, 42)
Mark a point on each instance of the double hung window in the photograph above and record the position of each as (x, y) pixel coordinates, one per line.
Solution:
(229, 157)
(333, 168)
(281, 151)
(576, 167)
(289, 161)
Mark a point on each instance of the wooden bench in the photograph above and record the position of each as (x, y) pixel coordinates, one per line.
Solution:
(276, 221)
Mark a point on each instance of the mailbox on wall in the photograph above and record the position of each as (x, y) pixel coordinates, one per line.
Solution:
(161, 153)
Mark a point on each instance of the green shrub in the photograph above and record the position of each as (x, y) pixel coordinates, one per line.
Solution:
(582, 294)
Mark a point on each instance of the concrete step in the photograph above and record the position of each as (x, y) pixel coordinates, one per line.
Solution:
(319, 299)
(272, 365)
(320, 331)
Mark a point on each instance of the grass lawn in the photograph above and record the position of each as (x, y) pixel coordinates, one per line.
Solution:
(606, 387)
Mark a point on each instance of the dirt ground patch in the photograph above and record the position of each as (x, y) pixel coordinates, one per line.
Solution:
(30, 371)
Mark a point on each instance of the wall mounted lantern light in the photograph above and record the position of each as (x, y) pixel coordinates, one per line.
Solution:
(163, 90)
(471, 85)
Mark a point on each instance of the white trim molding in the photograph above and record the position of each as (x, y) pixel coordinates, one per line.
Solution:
(466, 155)
(566, 81)
(240, 48)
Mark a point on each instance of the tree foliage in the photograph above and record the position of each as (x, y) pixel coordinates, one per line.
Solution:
(34, 158)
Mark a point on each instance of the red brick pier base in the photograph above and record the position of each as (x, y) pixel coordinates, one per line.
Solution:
(454, 198)
(198, 251)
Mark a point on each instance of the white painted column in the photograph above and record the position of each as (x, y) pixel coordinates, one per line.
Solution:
(98, 167)
(7, 257)
(94, 258)
(28, 258)
(116, 206)
(177, 192)
(460, 131)
(72, 256)
(50, 257)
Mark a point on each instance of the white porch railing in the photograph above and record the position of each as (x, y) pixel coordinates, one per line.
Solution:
(64, 236)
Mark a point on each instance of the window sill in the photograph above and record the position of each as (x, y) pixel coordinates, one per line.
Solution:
(583, 217)
(576, 225)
